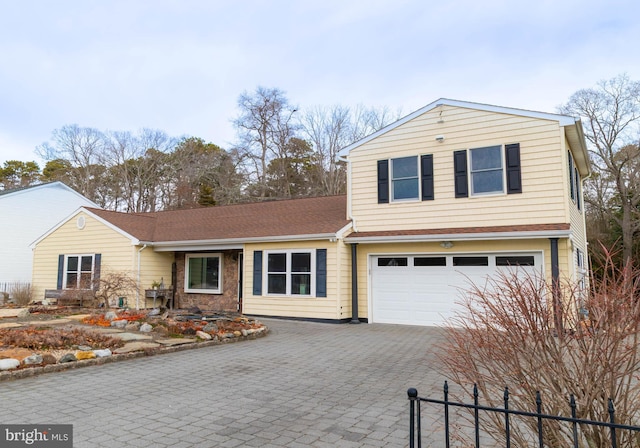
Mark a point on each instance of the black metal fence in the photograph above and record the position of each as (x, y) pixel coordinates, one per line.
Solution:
(415, 430)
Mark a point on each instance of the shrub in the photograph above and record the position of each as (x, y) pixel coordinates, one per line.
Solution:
(507, 337)
(21, 293)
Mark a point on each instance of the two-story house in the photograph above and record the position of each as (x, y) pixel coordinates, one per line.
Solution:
(450, 194)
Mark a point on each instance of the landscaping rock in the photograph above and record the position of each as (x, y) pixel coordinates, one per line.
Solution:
(111, 315)
(48, 358)
(120, 323)
(32, 360)
(161, 330)
(69, 357)
(9, 364)
(210, 328)
(84, 348)
(80, 355)
(154, 312)
(132, 326)
(136, 346)
(23, 313)
(146, 328)
(203, 335)
(237, 333)
(105, 353)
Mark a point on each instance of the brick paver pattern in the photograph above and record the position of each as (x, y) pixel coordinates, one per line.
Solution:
(306, 384)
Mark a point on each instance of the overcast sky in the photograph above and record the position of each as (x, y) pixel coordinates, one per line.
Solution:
(179, 66)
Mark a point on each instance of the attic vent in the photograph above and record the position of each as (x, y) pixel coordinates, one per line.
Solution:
(80, 222)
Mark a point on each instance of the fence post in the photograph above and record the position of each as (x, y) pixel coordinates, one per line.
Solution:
(413, 396)
(612, 419)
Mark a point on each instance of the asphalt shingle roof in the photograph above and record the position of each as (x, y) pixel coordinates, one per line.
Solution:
(308, 216)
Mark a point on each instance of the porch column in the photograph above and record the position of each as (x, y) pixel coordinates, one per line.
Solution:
(555, 285)
(354, 284)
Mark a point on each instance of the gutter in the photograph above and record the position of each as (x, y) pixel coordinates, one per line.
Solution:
(459, 237)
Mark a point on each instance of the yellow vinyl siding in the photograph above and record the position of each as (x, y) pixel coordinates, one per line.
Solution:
(117, 255)
(155, 267)
(290, 306)
(540, 141)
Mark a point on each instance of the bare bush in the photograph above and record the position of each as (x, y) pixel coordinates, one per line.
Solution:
(507, 337)
(113, 285)
(20, 293)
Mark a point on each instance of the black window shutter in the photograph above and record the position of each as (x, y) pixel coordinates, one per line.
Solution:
(460, 173)
(573, 193)
(257, 272)
(383, 181)
(514, 179)
(426, 166)
(97, 259)
(577, 177)
(60, 271)
(321, 273)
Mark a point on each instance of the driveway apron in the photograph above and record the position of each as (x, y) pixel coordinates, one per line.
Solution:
(305, 384)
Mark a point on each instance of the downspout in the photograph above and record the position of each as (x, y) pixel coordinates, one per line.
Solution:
(555, 285)
(354, 284)
(139, 279)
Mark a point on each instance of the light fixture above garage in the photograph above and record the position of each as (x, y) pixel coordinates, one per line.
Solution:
(446, 244)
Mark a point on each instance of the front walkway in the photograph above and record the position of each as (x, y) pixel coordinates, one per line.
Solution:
(305, 384)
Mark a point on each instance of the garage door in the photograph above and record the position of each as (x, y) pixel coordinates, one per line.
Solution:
(423, 289)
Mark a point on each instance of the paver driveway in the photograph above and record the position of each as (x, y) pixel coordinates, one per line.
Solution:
(305, 384)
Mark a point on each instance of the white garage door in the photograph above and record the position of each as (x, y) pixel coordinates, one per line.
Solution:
(424, 289)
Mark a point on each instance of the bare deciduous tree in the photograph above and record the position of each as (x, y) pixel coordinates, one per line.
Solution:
(611, 113)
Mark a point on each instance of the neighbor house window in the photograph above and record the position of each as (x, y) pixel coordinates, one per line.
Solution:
(486, 170)
(79, 271)
(290, 273)
(203, 273)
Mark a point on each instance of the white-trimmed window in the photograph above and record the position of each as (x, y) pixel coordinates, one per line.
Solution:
(203, 273)
(405, 183)
(486, 169)
(290, 272)
(79, 271)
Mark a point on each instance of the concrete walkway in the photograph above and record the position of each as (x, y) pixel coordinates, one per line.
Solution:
(305, 384)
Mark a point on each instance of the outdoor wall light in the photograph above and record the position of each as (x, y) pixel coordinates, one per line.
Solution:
(439, 138)
(446, 244)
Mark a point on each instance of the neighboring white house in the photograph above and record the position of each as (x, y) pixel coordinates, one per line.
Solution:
(26, 214)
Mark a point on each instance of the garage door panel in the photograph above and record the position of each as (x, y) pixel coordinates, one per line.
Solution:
(429, 294)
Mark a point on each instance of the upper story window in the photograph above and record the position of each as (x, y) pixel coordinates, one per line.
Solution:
(203, 273)
(487, 175)
(405, 179)
(79, 271)
(574, 181)
(487, 170)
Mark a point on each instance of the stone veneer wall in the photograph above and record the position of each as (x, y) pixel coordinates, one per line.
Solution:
(227, 301)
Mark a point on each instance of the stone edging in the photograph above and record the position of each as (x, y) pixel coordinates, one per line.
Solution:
(33, 371)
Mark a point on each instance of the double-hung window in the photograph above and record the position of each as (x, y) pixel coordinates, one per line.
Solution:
(290, 273)
(404, 178)
(203, 273)
(486, 170)
(79, 271)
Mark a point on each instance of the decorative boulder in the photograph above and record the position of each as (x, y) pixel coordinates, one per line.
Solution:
(102, 353)
(80, 355)
(120, 323)
(146, 328)
(32, 360)
(48, 358)
(9, 364)
(69, 357)
(203, 335)
(210, 328)
(111, 315)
